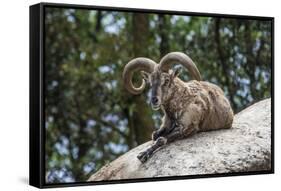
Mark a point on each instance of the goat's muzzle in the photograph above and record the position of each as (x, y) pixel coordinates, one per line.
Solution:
(155, 103)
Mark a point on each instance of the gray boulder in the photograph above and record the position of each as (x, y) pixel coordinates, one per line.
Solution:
(243, 148)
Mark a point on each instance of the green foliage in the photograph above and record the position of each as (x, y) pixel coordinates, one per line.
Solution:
(91, 119)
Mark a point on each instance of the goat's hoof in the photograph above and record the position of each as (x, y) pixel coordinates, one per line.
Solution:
(142, 156)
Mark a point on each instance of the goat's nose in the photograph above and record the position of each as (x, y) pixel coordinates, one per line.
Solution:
(154, 100)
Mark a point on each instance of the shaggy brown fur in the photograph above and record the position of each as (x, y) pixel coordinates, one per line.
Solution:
(201, 105)
(188, 107)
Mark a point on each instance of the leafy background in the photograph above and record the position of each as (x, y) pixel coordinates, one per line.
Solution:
(91, 119)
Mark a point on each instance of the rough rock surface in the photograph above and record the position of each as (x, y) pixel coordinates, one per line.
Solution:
(245, 147)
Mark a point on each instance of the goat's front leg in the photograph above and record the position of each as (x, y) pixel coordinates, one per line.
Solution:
(177, 133)
(166, 127)
(143, 156)
(160, 141)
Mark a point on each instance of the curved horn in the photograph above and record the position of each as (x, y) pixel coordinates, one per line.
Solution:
(137, 64)
(181, 58)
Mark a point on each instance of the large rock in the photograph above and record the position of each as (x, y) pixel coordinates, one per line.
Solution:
(245, 147)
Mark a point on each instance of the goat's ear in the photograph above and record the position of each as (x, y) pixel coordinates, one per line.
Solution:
(176, 73)
(145, 76)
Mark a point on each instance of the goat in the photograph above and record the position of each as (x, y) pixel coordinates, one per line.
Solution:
(188, 107)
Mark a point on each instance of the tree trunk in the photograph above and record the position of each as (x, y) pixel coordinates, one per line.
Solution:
(163, 32)
(223, 63)
(141, 123)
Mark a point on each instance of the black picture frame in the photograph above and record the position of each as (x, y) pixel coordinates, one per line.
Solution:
(37, 93)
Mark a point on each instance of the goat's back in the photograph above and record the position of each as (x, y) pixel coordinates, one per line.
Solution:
(219, 114)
